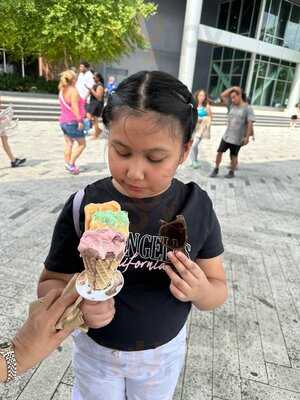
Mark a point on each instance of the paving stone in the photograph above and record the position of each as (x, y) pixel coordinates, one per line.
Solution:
(274, 347)
(226, 369)
(252, 390)
(63, 392)
(284, 377)
(251, 357)
(287, 312)
(48, 376)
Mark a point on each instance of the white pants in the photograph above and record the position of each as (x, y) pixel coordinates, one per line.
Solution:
(105, 374)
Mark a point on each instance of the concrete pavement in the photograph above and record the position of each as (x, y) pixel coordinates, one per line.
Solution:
(249, 349)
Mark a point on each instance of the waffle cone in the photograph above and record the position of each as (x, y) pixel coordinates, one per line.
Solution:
(100, 272)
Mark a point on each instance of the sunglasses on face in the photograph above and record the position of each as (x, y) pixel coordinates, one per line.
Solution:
(173, 234)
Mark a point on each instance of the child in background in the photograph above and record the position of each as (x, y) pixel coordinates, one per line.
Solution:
(203, 124)
(136, 343)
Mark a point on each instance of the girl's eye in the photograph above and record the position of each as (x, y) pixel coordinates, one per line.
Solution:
(121, 154)
(155, 161)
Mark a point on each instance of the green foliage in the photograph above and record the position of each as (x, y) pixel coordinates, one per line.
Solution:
(15, 83)
(96, 30)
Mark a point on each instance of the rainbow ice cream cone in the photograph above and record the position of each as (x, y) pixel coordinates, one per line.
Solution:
(103, 243)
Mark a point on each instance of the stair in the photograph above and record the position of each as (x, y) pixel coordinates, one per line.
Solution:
(46, 108)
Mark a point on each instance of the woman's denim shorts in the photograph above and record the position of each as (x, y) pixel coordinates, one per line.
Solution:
(71, 129)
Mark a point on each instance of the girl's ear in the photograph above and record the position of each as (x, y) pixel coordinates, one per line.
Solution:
(185, 151)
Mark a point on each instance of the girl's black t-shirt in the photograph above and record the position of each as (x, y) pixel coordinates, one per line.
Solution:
(147, 314)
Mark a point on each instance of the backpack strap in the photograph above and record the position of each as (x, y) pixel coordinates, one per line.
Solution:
(77, 200)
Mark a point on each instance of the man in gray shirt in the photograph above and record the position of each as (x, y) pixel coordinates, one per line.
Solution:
(238, 131)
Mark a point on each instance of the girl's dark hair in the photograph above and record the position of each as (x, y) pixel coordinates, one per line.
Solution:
(154, 91)
(99, 77)
(196, 95)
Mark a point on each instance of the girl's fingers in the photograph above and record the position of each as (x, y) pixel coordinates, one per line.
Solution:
(178, 293)
(186, 275)
(177, 280)
(195, 270)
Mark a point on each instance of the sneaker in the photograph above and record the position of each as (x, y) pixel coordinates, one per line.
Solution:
(72, 169)
(195, 164)
(230, 174)
(17, 162)
(214, 173)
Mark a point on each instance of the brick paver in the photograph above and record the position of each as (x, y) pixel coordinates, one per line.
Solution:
(247, 349)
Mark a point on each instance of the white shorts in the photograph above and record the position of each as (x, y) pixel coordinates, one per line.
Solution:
(105, 374)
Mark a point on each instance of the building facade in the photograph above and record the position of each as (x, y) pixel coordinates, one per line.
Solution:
(214, 44)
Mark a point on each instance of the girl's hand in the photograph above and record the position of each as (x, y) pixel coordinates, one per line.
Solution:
(191, 284)
(38, 337)
(97, 314)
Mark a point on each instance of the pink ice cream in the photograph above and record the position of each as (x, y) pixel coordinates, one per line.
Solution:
(102, 244)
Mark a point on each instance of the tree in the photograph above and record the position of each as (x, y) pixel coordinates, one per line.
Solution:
(19, 26)
(68, 30)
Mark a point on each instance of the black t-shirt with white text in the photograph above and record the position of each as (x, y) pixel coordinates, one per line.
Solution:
(147, 314)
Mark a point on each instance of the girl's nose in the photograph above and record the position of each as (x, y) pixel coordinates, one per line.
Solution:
(135, 171)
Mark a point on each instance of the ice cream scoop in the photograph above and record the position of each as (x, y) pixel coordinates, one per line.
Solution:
(102, 244)
(116, 220)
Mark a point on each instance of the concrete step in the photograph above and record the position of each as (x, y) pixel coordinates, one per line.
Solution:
(47, 109)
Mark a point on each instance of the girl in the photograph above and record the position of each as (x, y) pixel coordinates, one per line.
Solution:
(203, 124)
(71, 120)
(95, 106)
(135, 346)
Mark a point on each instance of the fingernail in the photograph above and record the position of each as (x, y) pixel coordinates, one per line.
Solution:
(169, 254)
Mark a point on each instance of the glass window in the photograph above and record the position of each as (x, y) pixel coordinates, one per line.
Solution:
(239, 54)
(223, 15)
(217, 53)
(272, 18)
(234, 15)
(292, 31)
(226, 66)
(262, 69)
(256, 97)
(278, 98)
(283, 73)
(290, 74)
(273, 71)
(216, 68)
(287, 93)
(236, 80)
(255, 17)
(246, 18)
(228, 53)
(265, 19)
(237, 67)
(267, 92)
(283, 18)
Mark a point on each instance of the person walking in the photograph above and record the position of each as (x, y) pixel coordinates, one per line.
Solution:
(111, 85)
(71, 120)
(85, 81)
(295, 114)
(203, 124)
(14, 161)
(238, 131)
(95, 106)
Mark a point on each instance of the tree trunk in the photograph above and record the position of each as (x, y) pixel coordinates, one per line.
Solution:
(66, 64)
